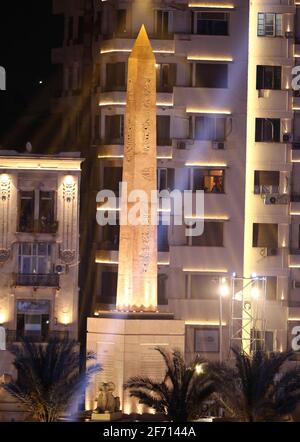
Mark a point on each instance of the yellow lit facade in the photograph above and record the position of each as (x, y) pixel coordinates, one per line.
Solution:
(39, 246)
(186, 102)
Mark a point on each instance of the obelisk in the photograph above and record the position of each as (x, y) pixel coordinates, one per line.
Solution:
(125, 341)
(137, 272)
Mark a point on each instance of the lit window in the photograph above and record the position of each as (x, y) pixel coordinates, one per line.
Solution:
(269, 25)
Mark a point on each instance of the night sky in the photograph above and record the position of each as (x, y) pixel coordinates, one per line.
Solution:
(27, 33)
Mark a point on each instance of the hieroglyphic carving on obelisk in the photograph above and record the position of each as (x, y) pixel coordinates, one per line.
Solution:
(137, 272)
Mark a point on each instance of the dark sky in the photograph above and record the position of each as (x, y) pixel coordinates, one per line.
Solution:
(26, 37)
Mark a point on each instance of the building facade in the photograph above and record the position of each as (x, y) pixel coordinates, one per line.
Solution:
(227, 124)
(39, 252)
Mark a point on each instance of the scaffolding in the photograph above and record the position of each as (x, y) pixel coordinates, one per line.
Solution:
(248, 324)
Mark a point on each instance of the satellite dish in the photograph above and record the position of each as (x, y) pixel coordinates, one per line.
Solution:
(28, 147)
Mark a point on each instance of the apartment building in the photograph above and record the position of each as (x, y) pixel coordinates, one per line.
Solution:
(226, 124)
(39, 248)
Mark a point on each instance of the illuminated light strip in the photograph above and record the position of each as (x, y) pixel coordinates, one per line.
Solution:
(295, 161)
(295, 213)
(297, 55)
(210, 5)
(110, 156)
(123, 103)
(155, 344)
(157, 51)
(209, 217)
(296, 108)
(117, 209)
(294, 266)
(159, 157)
(200, 164)
(202, 270)
(201, 58)
(106, 261)
(192, 110)
(293, 319)
(204, 322)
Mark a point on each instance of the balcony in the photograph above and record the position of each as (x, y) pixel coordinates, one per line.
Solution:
(37, 280)
(295, 207)
(294, 259)
(13, 336)
(133, 35)
(38, 226)
(112, 257)
(295, 155)
(117, 43)
(106, 151)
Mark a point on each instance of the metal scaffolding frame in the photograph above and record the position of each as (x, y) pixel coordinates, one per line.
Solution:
(247, 323)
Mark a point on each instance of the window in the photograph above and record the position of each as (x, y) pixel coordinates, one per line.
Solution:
(165, 77)
(271, 288)
(98, 25)
(162, 238)
(26, 211)
(43, 212)
(207, 340)
(47, 222)
(114, 129)
(212, 23)
(35, 258)
(80, 31)
(268, 77)
(204, 287)
(111, 179)
(162, 298)
(210, 128)
(115, 76)
(267, 130)
(266, 181)
(165, 178)
(121, 27)
(269, 24)
(212, 75)
(109, 283)
(209, 180)
(111, 236)
(70, 29)
(163, 130)
(162, 23)
(265, 235)
(33, 318)
(212, 235)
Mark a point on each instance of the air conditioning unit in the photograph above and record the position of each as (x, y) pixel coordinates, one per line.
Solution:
(289, 34)
(286, 138)
(271, 199)
(60, 269)
(296, 284)
(272, 251)
(218, 145)
(181, 145)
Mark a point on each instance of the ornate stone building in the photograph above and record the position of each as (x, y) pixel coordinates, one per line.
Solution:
(39, 247)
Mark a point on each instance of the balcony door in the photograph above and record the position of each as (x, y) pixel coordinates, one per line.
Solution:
(33, 319)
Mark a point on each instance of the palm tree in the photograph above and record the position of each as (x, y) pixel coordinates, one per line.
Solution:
(258, 387)
(179, 394)
(48, 376)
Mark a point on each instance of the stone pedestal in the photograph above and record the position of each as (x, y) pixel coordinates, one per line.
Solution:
(125, 346)
(106, 417)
